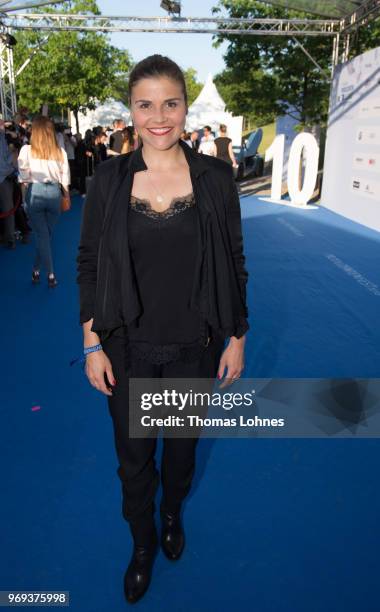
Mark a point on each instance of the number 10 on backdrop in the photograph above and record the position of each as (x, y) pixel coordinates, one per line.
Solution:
(304, 146)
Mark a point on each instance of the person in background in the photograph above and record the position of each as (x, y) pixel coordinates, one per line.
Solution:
(22, 128)
(59, 129)
(185, 136)
(128, 139)
(223, 146)
(108, 131)
(21, 222)
(100, 149)
(194, 140)
(207, 146)
(81, 163)
(43, 169)
(89, 139)
(7, 170)
(70, 144)
(89, 142)
(116, 138)
(12, 137)
(137, 138)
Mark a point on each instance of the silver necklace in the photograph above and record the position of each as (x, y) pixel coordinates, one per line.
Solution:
(159, 197)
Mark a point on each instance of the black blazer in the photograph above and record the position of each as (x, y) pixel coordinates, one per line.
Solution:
(107, 285)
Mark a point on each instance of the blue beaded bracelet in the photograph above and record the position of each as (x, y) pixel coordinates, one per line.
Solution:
(92, 349)
(89, 349)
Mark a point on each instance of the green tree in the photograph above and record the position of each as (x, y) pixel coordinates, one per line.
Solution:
(365, 38)
(71, 70)
(193, 87)
(273, 71)
(251, 97)
(265, 73)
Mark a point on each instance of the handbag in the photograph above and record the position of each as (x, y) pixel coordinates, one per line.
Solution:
(65, 201)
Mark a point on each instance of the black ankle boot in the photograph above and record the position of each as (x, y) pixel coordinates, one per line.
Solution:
(138, 575)
(172, 534)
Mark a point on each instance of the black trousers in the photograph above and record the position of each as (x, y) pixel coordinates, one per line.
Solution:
(6, 204)
(136, 456)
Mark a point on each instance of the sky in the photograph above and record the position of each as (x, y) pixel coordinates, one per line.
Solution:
(188, 50)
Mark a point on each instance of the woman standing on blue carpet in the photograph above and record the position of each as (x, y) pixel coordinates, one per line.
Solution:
(43, 170)
(162, 281)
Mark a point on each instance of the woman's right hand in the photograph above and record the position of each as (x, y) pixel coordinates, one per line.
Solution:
(97, 365)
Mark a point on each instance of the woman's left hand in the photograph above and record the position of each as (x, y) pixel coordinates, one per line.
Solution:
(232, 358)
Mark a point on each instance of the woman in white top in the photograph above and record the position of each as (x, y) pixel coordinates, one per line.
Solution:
(43, 168)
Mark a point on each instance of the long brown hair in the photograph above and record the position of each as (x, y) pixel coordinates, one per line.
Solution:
(128, 140)
(43, 140)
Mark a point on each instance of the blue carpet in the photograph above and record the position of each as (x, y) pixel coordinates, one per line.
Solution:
(271, 525)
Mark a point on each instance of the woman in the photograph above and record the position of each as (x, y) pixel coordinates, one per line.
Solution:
(223, 146)
(81, 163)
(137, 139)
(162, 285)
(69, 146)
(128, 143)
(100, 149)
(89, 146)
(43, 170)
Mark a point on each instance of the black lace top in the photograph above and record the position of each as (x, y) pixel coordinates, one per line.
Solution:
(163, 251)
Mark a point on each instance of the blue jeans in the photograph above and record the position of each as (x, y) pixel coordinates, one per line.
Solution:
(43, 207)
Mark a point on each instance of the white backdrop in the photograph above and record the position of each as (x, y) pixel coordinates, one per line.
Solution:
(351, 182)
(103, 115)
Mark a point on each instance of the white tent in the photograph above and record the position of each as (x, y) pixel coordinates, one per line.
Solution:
(209, 108)
(103, 115)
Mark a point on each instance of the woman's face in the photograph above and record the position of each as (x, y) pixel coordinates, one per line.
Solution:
(158, 102)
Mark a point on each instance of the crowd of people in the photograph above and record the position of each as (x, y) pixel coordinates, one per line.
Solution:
(220, 147)
(42, 161)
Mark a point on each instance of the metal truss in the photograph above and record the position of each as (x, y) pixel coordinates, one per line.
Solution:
(9, 5)
(7, 81)
(191, 25)
(366, 11)
(341, 30)
(52, 22)
(349, 26)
